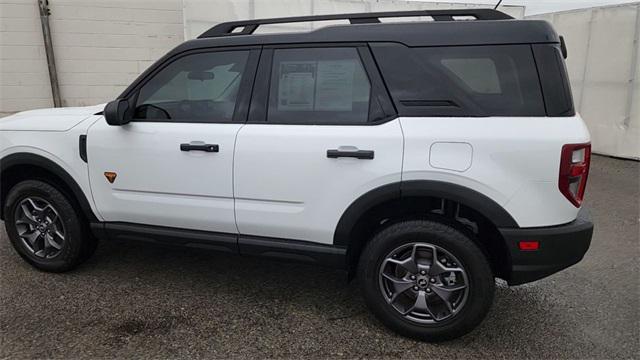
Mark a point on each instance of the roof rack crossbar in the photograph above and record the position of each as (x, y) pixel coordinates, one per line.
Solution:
(248, 27)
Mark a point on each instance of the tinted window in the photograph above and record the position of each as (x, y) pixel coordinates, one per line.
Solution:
(479, 75)
(195, 88)
(554, 79)
(500, 80)
(318, 85)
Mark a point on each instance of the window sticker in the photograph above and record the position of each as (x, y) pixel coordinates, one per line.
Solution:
(325, 85)
(334, 87)
(296, 85)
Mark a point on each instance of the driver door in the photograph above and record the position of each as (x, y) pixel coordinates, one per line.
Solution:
(172, 164)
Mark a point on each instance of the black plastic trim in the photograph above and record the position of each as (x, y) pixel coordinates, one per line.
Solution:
(463, 195)
(303, 251)
(428, 33)
(166, 236)
(48, 165)
(285, 249)
(356, 154)
(82, 145)
(249, 26)
(560, 247)
(350, 217)
(420, 188)
(200, 147)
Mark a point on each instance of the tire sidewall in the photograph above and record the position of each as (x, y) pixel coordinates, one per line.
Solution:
(71, 248)
(481, 282)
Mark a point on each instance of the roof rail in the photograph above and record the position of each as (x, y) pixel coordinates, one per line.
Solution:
(248, 27)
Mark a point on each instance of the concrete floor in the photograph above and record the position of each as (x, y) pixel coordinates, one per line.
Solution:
(134, 300)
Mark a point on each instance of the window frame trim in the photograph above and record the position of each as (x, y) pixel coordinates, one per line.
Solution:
(243, 99)
(259, 108)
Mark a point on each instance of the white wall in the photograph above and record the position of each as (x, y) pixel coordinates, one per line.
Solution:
(100, 47)
(24, 79)
(604, 68)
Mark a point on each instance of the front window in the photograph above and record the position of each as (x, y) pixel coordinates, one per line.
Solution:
(195, 88)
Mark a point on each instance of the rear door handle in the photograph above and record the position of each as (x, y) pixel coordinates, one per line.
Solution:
(200, 147)
(358, 154)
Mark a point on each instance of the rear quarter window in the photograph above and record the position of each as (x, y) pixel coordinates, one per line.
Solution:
(500, 80)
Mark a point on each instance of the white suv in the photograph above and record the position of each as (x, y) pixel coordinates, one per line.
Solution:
(425, 158)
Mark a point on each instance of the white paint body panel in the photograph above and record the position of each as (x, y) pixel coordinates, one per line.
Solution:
(156, 183)
(54, 137)
(516, 160)
(456, 156)
(60, 119)
(286, 187)
(276, 180)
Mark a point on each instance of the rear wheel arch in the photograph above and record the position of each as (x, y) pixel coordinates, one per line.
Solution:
(421, 199)
(18, 167)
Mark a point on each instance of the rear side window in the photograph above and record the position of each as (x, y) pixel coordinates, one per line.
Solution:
(499, 80)
(554, 79)
(318, 86)
(479, 75)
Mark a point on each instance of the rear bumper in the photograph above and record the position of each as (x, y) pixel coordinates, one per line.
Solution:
(560, 247)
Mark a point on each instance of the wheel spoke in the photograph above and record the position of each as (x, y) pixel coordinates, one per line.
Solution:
(420, 305)
(25, 221)
(49, 239)
(438, 268)
(398, 286)
(50, 214)
(408, 264)
(27, 212)
(59, 234)
(446, 292)
(32, 237)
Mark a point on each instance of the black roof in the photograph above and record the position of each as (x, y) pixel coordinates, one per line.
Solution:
(443, 32)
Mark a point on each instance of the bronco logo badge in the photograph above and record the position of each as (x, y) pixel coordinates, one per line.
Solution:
(111, 176)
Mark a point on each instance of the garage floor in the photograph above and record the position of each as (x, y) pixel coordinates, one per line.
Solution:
(134, 300)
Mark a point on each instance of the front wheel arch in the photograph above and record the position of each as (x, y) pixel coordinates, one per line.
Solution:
(17, 167)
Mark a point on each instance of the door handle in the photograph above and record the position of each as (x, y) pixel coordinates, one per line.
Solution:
(358, 154)
(200, 147)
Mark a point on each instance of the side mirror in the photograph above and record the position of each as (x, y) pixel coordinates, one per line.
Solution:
(114, 112)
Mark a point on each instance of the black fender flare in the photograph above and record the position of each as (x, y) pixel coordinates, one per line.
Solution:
(420, 188)
(50, 166)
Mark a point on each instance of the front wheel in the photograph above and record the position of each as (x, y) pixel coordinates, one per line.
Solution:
(45, 229)
(426, 280)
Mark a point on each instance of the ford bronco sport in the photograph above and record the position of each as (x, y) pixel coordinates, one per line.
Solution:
(425, 158)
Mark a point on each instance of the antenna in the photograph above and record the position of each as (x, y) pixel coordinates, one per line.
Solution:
(498, 4)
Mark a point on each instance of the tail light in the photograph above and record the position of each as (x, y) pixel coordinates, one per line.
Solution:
(574, 169)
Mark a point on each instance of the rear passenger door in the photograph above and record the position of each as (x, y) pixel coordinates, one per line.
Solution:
(321, 132)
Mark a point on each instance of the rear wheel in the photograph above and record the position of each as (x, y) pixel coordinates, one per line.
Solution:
(45, 229)
(426, 280)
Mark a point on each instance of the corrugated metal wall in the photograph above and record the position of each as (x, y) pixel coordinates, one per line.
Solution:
(604, 68)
